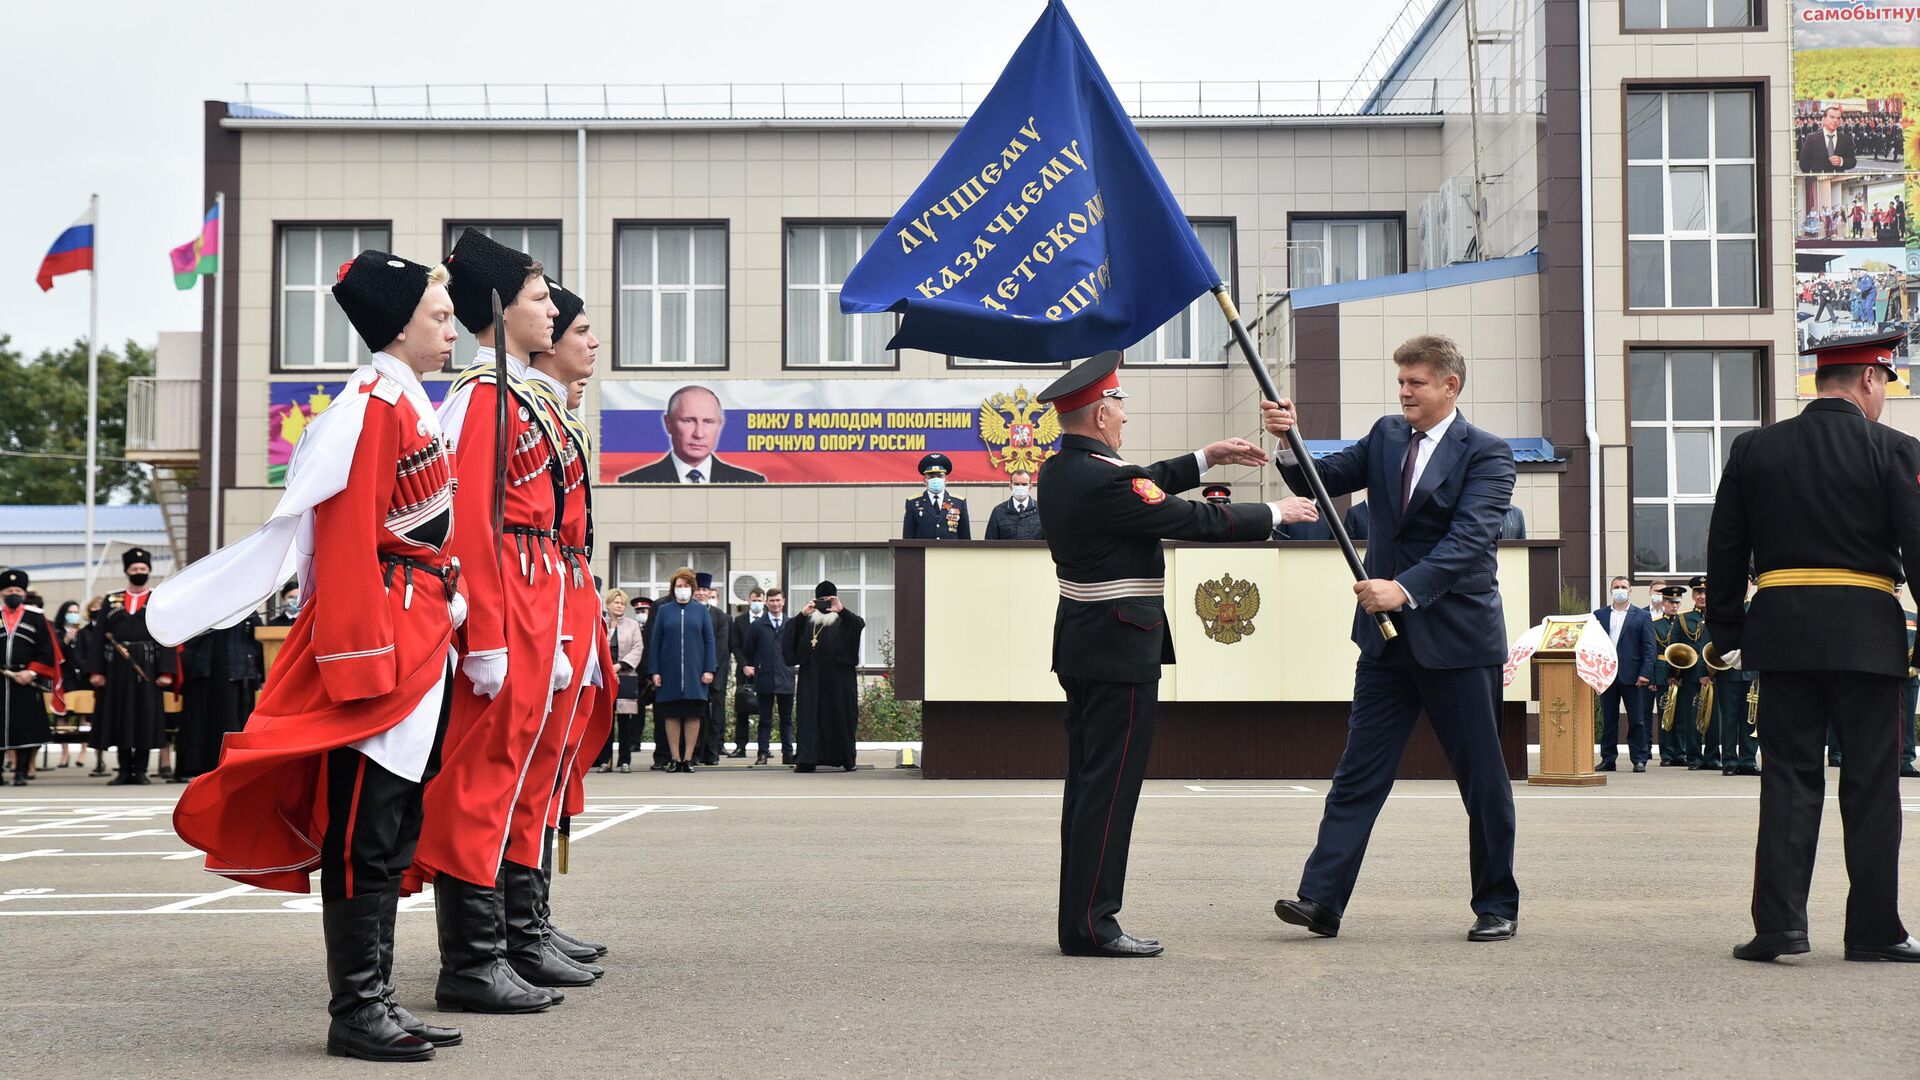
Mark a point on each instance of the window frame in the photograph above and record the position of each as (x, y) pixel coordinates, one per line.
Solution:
(1762, 89)
(559, 227)
(726, 238)
(1399, 217)
(786, 292)
(615, 550)
(1759, 24)
(1204, 302)
(799, 593)
(1764, 352)
(277, 364)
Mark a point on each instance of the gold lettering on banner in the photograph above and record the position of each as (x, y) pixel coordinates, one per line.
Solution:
(1226, 608)
(971, 190)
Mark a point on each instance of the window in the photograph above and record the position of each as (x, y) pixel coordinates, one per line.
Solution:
(1693, 236)
(1685, 408)
(542, 241)
(673, 296)
(314, 332)
(1327, 251)
(1198, 335)
(864, 578)
(1687, 14)
(819, 257)
(643, 571)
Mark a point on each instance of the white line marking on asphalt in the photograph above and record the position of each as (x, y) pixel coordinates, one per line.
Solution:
(208, 898)
(649, 808)
(1239, 790)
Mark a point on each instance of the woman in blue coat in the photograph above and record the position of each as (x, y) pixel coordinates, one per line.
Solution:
(683, 659)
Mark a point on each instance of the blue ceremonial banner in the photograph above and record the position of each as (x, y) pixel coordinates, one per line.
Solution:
(1045, 233)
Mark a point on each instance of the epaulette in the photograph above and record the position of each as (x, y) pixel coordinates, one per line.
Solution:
(384, 389)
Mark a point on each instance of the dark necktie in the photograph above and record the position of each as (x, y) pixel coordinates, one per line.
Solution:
(1406, 470)
(694, 477)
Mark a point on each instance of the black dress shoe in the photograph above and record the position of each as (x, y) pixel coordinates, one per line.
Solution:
(786, 759)
(1694, 766)
(1909, 771)
(1124, 945)
(762, 760)
(1671, 763)
(1729, 770)
(1315, 917)
(1754, 770)
(371, 1034)
(803, 768)
(1907, 951)
(660, 766)
(1605, 766)
(1493, 928)
(1639, 766)
(420, 1029)
(740, 753)
(1772, 945)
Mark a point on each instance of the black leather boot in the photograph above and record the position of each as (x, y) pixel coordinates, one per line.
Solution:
(409, 1023)
(573, 948)
(362, 1027)
(474, 975)
(527, 950)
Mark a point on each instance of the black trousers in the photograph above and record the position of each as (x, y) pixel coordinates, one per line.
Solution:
(1795, 709)
(1389, 695)
(743, 714)
(769, 702)
(373, 818)
(713, 728)
(1639, 739)
(1109, 735)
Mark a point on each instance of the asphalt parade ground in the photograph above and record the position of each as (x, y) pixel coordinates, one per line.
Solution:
(876, 924)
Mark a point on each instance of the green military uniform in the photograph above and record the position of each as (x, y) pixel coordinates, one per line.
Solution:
(1663, 635)
(1699, 750)
(1739, 745)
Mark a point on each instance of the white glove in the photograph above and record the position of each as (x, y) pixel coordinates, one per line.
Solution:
(486, 671)
(457, 610)
(562, 671)
(1732, 658)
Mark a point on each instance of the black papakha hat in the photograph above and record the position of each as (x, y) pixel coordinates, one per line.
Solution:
(13, 579)
(1087, 383)
(570, 305)
(135, 555)
(380, 292)
(481, 266)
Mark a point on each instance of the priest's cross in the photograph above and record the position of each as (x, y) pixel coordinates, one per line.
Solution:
(1558, 710)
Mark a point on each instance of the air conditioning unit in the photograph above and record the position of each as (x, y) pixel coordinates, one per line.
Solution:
(741, 582)
(1456, 219)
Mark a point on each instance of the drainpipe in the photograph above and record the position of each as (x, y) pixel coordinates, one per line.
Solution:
(1594, 541)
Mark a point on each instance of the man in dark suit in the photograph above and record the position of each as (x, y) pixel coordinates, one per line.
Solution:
(1632, 632)
(713, 729)
(1826, 505)
(746, 705)
(694, 421)
(936, 514)
(773, 678)
(1438, 490)
(1827, 149)
(1104, 519)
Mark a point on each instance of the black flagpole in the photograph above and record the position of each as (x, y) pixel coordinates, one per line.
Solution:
(1300, 455)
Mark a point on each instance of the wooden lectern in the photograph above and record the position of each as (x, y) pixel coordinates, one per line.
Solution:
(1566, 710)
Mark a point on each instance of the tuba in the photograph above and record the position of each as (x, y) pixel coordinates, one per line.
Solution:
(1679, 656)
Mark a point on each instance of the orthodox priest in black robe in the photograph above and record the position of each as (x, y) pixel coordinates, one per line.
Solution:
(824, 643)
(220, 671)
(129, 672)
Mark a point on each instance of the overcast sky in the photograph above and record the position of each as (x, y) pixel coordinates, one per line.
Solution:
(105, 96)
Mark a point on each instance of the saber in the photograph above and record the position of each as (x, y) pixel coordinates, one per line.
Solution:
(1303, 459)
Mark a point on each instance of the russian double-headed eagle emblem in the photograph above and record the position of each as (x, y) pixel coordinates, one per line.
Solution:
(1226, 608)
(1019, 431)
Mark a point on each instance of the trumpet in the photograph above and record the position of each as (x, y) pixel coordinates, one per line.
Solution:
(1714, 661)
(1753, 706)
(1681, 656)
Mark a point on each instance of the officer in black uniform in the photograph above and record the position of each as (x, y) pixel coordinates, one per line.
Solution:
(1827, 506)
(1104, 519)
(936, 514)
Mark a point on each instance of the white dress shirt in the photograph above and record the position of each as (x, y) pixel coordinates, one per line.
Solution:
(1615, 623)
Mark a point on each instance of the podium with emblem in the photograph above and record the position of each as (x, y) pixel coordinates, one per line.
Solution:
(1566, 708)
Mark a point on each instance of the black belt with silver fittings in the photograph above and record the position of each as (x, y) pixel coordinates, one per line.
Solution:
(527, 540)
(449, 575)
(577, 558)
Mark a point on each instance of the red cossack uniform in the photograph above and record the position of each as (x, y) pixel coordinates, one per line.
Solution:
(583, 710)
(370, 646)
(513, 583)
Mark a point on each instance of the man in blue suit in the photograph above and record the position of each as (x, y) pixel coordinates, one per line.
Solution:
(1438, 489)
(1632, 631)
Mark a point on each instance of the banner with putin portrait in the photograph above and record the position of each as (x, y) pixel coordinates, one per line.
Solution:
(839, 431)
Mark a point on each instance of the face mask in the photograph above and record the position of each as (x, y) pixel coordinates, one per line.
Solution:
(936, 484)
(136, 580)
(682, 594)
(1020, 492)
(14, 600)
(1619, 596)
(73, 618)
(757, 607)
(640, 617)
(291, 607)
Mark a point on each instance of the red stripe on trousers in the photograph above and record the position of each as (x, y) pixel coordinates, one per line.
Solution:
(1125, 746)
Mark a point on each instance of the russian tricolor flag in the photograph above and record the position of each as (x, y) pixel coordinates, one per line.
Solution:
(72, 252)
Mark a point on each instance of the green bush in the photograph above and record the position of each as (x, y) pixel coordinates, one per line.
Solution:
(883, 717)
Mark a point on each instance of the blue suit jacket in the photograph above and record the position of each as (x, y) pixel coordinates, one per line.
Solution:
(1440, 549)
(1636, 649)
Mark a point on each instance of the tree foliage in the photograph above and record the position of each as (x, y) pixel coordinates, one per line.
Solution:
(43, 411)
